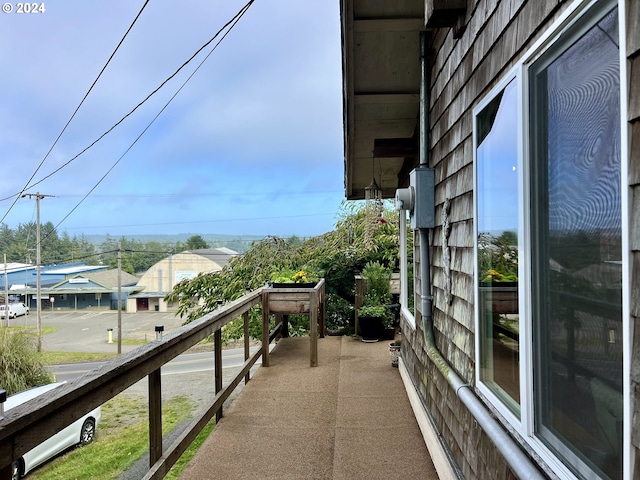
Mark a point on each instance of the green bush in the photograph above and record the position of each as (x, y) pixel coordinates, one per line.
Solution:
(340, 254)
(21, 366)
(378, 289)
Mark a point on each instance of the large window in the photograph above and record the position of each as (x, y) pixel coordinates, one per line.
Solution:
(549, 247)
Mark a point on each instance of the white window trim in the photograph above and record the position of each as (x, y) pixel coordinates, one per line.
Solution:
(496, 402)
(404, 274)
(525, 424)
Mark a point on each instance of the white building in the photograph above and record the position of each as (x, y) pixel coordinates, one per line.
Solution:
(160, 279)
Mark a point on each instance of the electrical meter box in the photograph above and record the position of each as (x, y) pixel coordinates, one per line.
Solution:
(423, 183)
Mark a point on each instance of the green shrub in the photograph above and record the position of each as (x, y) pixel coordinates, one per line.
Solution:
(378, 289)
(21, 366)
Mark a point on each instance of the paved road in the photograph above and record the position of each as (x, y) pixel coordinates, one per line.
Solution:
(183, 364)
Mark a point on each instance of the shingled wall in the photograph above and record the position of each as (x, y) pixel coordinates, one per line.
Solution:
(465, 64)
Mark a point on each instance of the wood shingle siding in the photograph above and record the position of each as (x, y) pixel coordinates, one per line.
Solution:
(462, 72)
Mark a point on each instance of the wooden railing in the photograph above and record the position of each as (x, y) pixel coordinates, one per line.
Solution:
(28, 425)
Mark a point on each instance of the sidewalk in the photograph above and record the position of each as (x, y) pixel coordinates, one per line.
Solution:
(347, 419)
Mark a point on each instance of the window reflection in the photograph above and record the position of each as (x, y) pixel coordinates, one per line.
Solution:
(497, 217)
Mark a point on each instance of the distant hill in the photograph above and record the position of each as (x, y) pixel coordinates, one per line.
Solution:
(239, 243)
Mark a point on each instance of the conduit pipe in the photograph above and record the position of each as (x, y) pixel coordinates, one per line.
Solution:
(519, 462)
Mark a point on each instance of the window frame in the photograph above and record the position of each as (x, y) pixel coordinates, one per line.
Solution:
(524, 425)
(495, 400)
(405, 313)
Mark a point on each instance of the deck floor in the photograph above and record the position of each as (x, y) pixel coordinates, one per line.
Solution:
(348, 419)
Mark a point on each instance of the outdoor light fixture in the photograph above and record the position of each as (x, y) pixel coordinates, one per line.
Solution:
(373, 193)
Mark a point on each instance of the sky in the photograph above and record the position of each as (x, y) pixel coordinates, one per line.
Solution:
(251, 144)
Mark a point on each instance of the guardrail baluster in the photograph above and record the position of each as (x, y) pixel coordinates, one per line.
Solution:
(217, 346)
(155, 417)
(247, 339)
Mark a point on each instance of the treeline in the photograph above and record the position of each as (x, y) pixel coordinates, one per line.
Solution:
(19, 245)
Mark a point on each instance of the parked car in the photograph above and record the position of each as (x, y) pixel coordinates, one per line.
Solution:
(81, 432)
(15, 310)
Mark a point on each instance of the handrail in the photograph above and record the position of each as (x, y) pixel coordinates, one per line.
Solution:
(164, 463)
(24, 427)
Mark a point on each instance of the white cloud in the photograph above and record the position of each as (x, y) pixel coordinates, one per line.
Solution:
(263, 114)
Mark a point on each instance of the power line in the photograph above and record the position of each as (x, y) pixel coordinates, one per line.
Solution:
(239, 14)
(200, 221)
(233, 22)
(26, 186)
(202, 194)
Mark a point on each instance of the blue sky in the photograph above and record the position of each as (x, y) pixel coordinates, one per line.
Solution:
(252, 144)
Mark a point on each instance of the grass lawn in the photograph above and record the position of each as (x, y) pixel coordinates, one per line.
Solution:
(31, 329)
(59, 358)
(122, 438)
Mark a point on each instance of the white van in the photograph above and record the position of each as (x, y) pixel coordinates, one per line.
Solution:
(15, 310)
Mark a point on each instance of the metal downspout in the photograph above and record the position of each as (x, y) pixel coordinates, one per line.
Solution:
(519, 462)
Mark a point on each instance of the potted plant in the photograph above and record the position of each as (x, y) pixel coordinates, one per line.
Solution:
(389, 321)
(375, 314)
(290, 277)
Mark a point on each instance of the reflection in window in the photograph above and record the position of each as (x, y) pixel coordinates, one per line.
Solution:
(407, 298)
(497, 217)
(577, 267)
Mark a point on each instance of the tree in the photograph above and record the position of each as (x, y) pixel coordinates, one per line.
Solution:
(196, 242)
(359, 237)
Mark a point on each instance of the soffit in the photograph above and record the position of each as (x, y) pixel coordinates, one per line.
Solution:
(381, 90)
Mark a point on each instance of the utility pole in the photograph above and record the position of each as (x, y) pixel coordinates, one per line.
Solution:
(38, 197)
(5, 319)
(119, 298)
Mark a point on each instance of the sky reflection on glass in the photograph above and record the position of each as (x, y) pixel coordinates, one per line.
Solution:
(497, 159)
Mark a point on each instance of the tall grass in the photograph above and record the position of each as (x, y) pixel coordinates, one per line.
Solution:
(21, 366)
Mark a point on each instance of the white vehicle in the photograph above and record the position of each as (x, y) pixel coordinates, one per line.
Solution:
(15, 310)
(81, 432)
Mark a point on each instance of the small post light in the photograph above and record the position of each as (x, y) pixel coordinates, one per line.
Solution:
(159, 330)
(219, 303)
(3, 398)
(110, 335)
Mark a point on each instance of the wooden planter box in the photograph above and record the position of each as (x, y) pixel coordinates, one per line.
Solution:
(294, 299)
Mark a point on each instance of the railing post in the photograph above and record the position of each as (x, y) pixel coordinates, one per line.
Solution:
(217, 365)
(321, 312)
(5, 472)
(265, 328)
(313, 327)
(247, 351)
(155, 417)
(3, 398)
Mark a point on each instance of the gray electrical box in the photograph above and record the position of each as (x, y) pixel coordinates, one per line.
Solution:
(423, 182)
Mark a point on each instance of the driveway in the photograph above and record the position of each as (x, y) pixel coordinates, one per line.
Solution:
(87, 331)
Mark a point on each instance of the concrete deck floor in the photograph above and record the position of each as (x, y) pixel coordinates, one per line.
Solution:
(347, 419)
